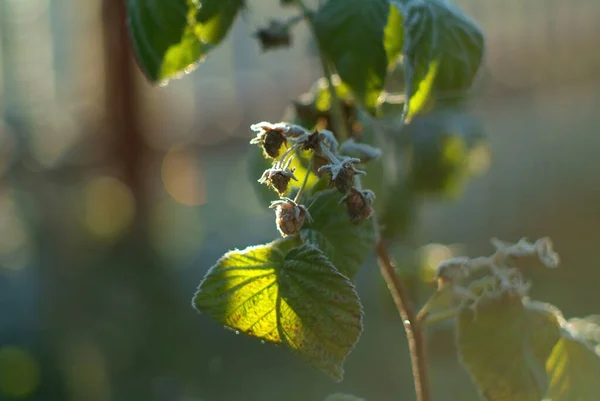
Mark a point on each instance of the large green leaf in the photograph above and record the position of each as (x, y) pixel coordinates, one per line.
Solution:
(346, 244)
(290, 296)
(171, 37)
(443, 49)
(505, 345)
(574, 366)
(350, 34)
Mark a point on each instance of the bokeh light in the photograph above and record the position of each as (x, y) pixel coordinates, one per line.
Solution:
(479, 160)
(108, 207)
(85, 369)
(430, 256)
(55, 135)
(183, 177)
(19, 372)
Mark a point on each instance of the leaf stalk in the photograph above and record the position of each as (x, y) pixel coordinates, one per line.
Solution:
(412, 326)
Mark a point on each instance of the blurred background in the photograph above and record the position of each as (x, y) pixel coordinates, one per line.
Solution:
(116, 197)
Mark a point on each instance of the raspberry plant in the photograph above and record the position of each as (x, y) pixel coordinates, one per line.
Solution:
(395, 72)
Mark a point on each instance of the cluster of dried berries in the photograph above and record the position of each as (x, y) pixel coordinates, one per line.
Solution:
(504, 270)
(326, 160)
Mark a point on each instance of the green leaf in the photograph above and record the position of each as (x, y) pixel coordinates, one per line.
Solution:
(346, 244)
(393, 35)
(441, 147)
(170, 37)
(574, 366)
(443, 49)
(214, 19)
(504, 346)
(323, 94)
(420, 99)
(350, 34)
(292, 296)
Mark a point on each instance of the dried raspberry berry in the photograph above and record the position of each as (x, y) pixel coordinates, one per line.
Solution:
(319, 139)
(278, 179)
(312, 142)
(359, 204)
(342, 173)
(289, 216)
(271, 141)
(276, 35)
(272, 136)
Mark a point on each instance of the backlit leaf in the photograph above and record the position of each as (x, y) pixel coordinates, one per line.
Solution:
(394, 33)
(346, 244)
(171, 37)
(290, 296)
(443, 49)
(574, 365)
(505, 345)
(350, 34)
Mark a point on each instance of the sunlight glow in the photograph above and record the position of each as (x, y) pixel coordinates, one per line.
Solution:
(430, 256)
(109, 207)
(19, 372)
(183, 177)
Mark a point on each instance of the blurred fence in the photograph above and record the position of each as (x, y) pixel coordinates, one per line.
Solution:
(539, 43)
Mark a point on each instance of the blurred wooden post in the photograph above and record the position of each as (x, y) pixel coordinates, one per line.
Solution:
(121, 105)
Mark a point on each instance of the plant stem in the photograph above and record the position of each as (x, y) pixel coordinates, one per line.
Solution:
(335, 106)
(308, 170)
(412, 327)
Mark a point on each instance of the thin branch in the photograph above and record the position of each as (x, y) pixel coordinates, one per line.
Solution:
(414, 332)
(335, 105)
(305, 181)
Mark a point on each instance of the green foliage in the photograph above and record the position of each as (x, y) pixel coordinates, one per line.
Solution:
(359, 55)
(440, 146)
(525, 351)
(313, 109)
(574, 365)
(443, 50)
(346, 244)
(504, 346)
(289, 296)
(393, 40)
(171, 37)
